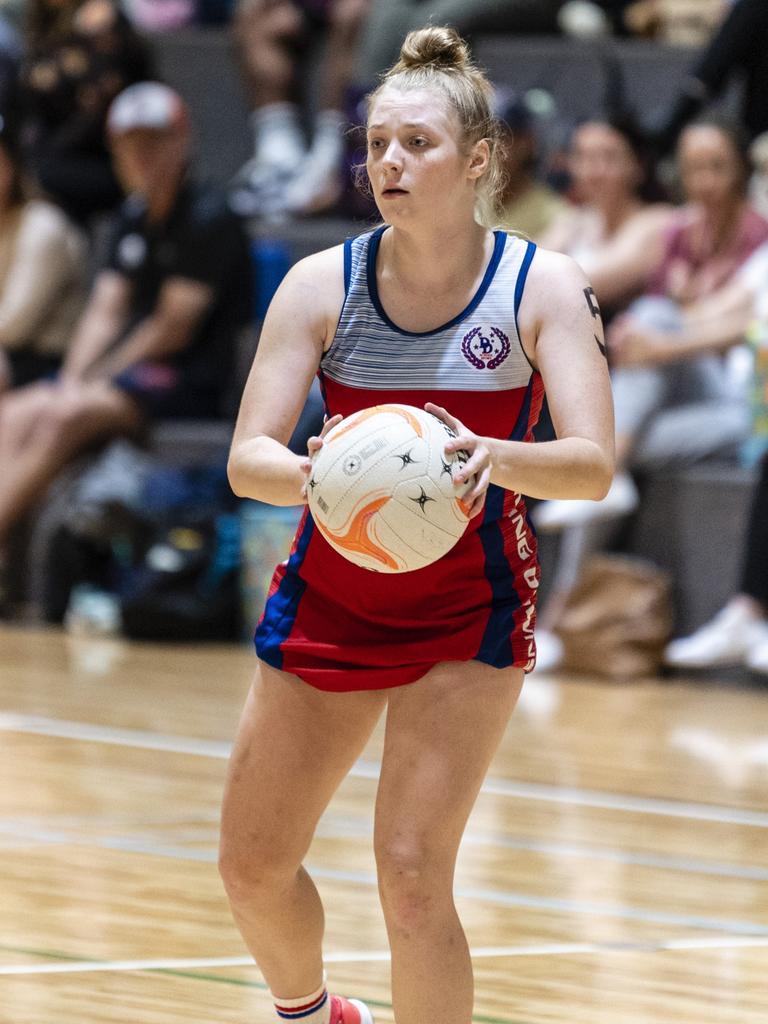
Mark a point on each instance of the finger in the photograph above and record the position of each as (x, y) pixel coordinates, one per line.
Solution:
(306, 466)
(329, 424)
(466, 442)
(477, 506)
(481, 486)
(443, 414)
(473, 466)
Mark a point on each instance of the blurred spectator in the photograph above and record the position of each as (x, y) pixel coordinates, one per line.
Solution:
(274, 39)
(616, 229)
(738, 634)
(678, 400)
(739, 50)
(528, 206)
(42, 264)
(391, 20)
(158, 333)
(654, 373)
(676, 22)
(80, 55)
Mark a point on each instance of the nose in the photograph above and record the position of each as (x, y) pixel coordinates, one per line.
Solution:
(393, 157)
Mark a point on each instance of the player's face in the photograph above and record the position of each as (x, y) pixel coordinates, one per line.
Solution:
(147, 161)
(710, 168)
(602, 164)
(415, 160)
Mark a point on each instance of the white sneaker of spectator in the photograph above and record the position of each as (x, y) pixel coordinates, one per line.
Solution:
(732, 637)
(549, 651)
(621, 500)
(757, 655)
(317, 183)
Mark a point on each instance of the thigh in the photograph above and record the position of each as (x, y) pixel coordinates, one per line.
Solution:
(20, 412)
(442, 732)
(688, 434)
(85, 413)
(294, 746)
(638, 392)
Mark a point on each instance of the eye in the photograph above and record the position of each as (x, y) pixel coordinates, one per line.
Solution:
(375, 143)
(419, 142)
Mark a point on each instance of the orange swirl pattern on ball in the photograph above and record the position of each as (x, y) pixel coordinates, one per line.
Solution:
(366, 414)
(358, 539)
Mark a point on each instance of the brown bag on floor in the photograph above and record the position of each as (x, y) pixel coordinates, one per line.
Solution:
(618, 618)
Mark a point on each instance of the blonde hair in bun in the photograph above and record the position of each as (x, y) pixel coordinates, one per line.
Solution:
(437, 57)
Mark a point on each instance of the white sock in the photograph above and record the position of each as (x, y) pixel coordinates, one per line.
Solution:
(312, 1009)
(279, 139)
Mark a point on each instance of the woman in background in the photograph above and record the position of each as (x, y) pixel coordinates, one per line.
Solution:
(42, 266)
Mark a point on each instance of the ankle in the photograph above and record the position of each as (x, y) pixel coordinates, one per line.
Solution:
(314, 1008)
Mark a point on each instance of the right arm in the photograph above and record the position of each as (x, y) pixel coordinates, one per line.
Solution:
(100, 325)
(299, 325)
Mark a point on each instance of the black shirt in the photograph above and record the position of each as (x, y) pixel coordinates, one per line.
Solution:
(201, 240)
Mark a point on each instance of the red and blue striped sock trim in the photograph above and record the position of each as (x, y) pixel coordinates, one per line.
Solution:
(298, 1012)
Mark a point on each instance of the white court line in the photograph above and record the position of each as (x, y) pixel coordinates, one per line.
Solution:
(19, 832)
(37, 725)
(497, 897)
(383, 956)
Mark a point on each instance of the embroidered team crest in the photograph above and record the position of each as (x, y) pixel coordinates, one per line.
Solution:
(485, 348)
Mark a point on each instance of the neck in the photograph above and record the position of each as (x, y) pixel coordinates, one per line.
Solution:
(438, 258)
(162, 200)
(720, 221)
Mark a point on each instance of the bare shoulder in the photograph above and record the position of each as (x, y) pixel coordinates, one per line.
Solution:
(552, 277)
(322, 272)
(556, 294)
(312, 291)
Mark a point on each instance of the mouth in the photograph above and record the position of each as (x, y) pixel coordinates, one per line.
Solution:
(393, 192)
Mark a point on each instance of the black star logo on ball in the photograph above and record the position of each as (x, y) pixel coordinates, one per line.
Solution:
(446, 468)
(407, 460)
(422, 499)
(313, 483)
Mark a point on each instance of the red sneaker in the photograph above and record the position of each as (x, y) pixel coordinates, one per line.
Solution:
(349, 1011)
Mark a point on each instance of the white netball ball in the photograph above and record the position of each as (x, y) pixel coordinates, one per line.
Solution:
(382, 489)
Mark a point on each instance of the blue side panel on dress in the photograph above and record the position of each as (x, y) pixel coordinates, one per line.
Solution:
(280, 611)
(496, 648)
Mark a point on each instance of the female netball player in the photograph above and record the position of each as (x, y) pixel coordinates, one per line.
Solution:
(433, 307)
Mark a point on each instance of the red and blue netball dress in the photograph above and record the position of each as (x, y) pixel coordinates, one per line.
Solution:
(340, 627)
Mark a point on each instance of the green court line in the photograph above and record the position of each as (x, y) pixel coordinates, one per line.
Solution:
(478, 1018)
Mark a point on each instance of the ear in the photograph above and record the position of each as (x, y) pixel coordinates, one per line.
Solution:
(479, 159)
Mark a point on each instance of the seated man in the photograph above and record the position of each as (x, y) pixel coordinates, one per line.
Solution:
(158, 332)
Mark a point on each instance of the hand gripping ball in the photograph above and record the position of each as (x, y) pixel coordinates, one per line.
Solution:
(382, 490)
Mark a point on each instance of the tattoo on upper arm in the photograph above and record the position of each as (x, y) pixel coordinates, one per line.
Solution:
(594, 309)
(592, 304)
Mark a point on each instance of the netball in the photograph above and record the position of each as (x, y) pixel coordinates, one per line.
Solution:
(382, 489)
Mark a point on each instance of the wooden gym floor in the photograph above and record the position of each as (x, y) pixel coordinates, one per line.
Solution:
(615, 870)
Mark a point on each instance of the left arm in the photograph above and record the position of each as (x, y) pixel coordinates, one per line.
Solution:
(181, 305)
(562, 334)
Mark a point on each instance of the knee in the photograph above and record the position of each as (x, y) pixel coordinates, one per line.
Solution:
(415, 883)
(255, 868)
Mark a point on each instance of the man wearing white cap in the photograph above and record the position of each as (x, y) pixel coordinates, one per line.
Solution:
(158, 332)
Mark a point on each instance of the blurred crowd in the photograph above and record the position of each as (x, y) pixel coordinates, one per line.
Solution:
(125, 283)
